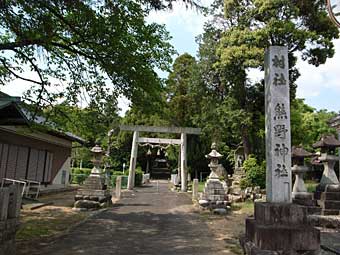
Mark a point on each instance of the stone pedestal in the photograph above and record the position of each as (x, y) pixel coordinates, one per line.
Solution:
(328, 191)
(329, 199)
(300, 194)
(93, 194)
(238, 175)
(215, 194)
(280, 228)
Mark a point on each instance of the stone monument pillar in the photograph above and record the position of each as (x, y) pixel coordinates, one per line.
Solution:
(278, 225)
(94, 193)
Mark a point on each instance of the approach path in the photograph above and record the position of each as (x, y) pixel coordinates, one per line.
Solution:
(149, 221)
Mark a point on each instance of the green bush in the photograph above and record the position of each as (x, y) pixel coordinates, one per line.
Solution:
(139, 176)
(79, 175)
(255, 173)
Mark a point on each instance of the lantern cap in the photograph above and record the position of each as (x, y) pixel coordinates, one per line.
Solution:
(97, 149)
(327, 141)
(214, 153)
(299, 152)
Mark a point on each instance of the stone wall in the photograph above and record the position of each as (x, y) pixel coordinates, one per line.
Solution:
(10, 205)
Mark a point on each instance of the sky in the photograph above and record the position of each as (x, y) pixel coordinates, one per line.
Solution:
(320, 87)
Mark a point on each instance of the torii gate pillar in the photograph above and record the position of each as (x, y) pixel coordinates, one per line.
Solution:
(184, 131)
(184, 174)
(133, 161)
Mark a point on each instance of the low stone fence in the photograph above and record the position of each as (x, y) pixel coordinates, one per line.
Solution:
(10, 205)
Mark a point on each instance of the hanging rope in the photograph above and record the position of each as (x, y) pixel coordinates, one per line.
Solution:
(156, 145)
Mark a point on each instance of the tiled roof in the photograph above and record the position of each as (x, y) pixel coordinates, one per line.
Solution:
(26, 117)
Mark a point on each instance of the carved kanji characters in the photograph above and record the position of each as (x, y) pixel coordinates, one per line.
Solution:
(279, 62)
(280, 131)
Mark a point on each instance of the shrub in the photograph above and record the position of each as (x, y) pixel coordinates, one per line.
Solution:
(255, 173)
(138, 176)
(79, 175)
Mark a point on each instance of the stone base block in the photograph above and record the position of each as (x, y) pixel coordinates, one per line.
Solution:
(330, 212)
(283, 237)
(280, 213)
(8, 247)
(250, 248)
(330, 196)
(329, 204)
(305, 202)
(314, 210)
(95, 182)
(281, 228)
(89, 192)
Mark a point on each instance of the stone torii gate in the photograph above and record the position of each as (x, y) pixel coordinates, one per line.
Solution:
(151, 129)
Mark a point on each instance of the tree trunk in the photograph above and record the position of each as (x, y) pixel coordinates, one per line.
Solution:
(246, 142)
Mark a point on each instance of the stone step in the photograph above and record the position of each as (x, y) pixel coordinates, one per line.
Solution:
(330, 212)
(330, 196)
(315, 210)
(305, 202)
(329, 204)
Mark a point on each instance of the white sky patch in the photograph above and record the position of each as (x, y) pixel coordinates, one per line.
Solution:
(186, 19)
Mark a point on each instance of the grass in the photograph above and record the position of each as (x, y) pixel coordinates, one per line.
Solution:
(46, 222)
(246, 207)
(311, 186)
(201, 186)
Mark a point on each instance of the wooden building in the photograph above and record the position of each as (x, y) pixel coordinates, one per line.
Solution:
(29, 149)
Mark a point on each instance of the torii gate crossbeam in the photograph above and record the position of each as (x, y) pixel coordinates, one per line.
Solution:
(151, 129)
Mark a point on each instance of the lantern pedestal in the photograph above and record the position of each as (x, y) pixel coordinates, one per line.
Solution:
(94, 193)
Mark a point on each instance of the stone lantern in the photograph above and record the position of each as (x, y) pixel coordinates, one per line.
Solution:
(328, 144)
(299, 169)
(328, 191)
(98, 154)
(94, 193)
(215, 193)
(214, 157)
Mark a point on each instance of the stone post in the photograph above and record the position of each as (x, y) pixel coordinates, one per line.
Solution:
(279, 226)
(278, 139)
(184, 185)
(338, 130)
(118, 186)
(133, 160)
(195, 189)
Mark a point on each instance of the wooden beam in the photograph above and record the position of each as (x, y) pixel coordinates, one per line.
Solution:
(152, 129)
(159, 140)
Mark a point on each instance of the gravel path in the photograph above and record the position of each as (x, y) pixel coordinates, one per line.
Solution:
(149, 220)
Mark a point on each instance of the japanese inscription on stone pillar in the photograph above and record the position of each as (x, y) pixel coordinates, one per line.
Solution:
(278, 143)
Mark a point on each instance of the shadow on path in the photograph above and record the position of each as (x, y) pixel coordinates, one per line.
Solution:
(144, 222)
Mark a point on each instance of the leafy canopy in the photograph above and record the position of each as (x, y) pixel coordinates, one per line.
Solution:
(93, 47)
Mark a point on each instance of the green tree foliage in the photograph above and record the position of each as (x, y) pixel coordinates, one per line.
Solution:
(82, 47)
(179, 85)
(255, 173)
(252, 26)
(308, 125)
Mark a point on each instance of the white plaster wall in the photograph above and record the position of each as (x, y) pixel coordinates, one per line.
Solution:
(66, 167)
